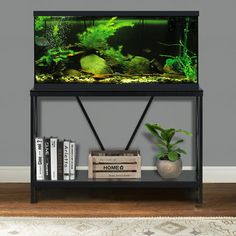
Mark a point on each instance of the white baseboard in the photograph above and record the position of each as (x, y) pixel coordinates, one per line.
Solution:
(211, 174)
(14, 174)
(219, 174)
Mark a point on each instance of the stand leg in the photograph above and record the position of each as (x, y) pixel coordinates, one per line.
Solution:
(34, 198)
(199, 147)
(33, 122)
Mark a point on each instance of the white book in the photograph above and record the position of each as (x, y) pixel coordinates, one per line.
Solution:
(53, 154)
(66, 159)
(72, 161)
(39, 158)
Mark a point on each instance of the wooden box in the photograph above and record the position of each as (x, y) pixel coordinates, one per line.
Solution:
(114, 164)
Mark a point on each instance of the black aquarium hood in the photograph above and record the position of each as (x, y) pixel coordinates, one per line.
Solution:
(116, 13)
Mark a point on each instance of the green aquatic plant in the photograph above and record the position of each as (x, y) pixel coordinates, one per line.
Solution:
(56, 37)
(188, 67)
(95, 37)
(39, 23)
(115, 58)
(55, 30)
(184, 63)
(168, 149)
(55, 56)
(53, 34)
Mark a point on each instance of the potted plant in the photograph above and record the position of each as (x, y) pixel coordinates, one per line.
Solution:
(169, 164)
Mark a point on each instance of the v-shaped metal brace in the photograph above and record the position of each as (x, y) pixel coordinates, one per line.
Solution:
(95, 132)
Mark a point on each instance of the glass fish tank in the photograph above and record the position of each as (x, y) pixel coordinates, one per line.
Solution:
(144, 50)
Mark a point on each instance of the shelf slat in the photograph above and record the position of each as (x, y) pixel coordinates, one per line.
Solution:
(149, 179)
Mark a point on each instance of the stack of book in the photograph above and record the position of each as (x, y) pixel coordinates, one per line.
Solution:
(55, 159)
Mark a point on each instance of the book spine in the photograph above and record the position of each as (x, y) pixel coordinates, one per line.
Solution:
(66, 159)
(60, 160)
(39, 158)
(47, 168)
(72, 161)
(53, 150)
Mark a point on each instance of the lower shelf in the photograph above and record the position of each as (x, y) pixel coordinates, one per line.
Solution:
(150, 179)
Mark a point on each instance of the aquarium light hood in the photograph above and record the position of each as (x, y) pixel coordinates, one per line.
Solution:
(119, 13)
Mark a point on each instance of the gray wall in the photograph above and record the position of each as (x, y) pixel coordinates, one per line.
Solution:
(116, 118)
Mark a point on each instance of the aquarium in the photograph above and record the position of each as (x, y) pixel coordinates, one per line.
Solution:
(123, 50)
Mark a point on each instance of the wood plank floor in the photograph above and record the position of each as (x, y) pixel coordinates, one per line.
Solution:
(219, 200)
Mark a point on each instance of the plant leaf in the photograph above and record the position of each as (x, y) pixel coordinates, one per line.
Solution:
(160, 155)
(179, 150)
(164, 135)
(152, 130)
(173, 156)
(158, 127)
(56, 60)
(169, 134)
(41, 64)
(162, 146)
(184, 132)
(178, 141)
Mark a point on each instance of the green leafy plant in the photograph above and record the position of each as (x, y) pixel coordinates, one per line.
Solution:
(39, 23)
(115, 58)
(183, 64)
(56, 35)
(55, 30)
(55, 55)
(95, 37)
(168, 149)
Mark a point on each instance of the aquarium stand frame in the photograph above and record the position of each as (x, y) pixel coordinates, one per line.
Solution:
(189, 179)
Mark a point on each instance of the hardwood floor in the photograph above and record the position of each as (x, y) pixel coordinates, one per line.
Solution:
(219, 200)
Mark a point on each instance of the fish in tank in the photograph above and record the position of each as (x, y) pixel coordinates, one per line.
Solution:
(116, 49)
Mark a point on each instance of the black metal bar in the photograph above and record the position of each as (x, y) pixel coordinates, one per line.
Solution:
(200, 130)
(199, 142)
(139, 122)
(33, 101)
(36, 113)
(90, 123)
(196, 113)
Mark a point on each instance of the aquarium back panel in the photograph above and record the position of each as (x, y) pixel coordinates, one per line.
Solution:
(123, 50)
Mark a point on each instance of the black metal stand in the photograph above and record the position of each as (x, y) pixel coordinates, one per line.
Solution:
(199, 146)
(34, 133)
(189, 179)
